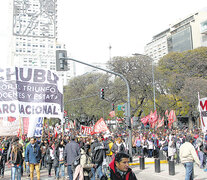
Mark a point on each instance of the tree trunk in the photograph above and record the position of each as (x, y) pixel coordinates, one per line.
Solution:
(190, 121)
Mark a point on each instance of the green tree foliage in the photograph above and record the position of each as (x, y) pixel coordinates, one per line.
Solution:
(182, 76)
(81, 96)
(137, 70)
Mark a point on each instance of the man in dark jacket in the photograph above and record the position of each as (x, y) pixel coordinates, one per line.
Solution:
(33, 157)
(119, 168)
(72, 150)
(98, 153)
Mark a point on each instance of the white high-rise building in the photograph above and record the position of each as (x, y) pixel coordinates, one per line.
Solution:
(34, 35)
(185, 34)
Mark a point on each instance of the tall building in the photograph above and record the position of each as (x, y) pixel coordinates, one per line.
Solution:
(34, 35)
(185, 34)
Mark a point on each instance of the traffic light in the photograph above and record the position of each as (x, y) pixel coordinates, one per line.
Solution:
(102, 93)
(112, 106)
(61, 63)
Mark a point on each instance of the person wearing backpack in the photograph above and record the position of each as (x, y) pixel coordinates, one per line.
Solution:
(98, 154)
(86, 162)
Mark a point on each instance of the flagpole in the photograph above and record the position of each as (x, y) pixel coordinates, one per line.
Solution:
(43, 127)
(20, 128)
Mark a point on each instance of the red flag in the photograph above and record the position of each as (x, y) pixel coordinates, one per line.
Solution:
(145, 120)
(100, 126)
(112, 114)
(161, 122)
(171, 118)
(166, 113)
(25, 124)
(153, 119)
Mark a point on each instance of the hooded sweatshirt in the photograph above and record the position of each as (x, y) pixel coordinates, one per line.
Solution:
(116, 174)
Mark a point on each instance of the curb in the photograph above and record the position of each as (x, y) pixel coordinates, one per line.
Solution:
(161, 162)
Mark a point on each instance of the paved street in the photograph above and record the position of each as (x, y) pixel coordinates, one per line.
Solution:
(147, 174)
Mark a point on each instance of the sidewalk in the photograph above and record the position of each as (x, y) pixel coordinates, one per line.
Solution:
(149, 171)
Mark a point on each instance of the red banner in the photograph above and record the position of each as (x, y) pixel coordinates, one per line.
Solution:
(85, 130)
(100, 126)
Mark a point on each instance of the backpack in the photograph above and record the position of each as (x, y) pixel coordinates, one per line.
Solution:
(76, 162)
(98, 156)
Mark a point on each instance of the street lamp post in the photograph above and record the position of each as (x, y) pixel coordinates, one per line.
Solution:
(128, 97)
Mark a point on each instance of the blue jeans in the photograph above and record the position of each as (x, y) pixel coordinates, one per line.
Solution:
(70, 172)
(99, 172)
(201, 158)
(189, 170)
(16, 170)
(60, 168)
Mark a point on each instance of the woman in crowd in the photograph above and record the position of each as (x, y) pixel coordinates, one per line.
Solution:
(150, 147)
(59, 161)
(50, 157)
(16, 161)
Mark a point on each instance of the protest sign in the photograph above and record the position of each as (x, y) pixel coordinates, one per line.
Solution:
(85, 130)
(203, 113)
(26, 92)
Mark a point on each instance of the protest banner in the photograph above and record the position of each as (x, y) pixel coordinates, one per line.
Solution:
(203, 113)
(26, 92)
(85, 130)
(100, 126)
(38, 129)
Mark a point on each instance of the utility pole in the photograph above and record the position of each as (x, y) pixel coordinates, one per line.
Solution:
(128, 95)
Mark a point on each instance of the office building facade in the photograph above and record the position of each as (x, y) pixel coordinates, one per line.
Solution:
(186, 34)
(34, 35)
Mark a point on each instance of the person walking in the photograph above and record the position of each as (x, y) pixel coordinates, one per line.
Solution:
(72, 150)
(16, 161)
(59, 161)
(187, 156)
(50, 153)
(33, 157)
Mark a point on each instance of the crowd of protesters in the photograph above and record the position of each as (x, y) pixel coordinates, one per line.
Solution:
(98, 154)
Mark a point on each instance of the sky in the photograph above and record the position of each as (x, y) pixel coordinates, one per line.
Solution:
(89, 27)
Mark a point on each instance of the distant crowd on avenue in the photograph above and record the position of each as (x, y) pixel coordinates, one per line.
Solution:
(103, 156)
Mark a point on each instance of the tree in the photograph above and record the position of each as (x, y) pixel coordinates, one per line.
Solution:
(81, 96)
(183, 75)
(138, 72)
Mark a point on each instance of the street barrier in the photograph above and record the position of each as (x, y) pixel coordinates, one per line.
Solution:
(157, 165)
(171, 168)
(142, 164)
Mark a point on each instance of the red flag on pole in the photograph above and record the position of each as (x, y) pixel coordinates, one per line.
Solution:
(100, 126)
(171, 118)
(112, 114)
(153, 119)
(145, 120)
(160, 122)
